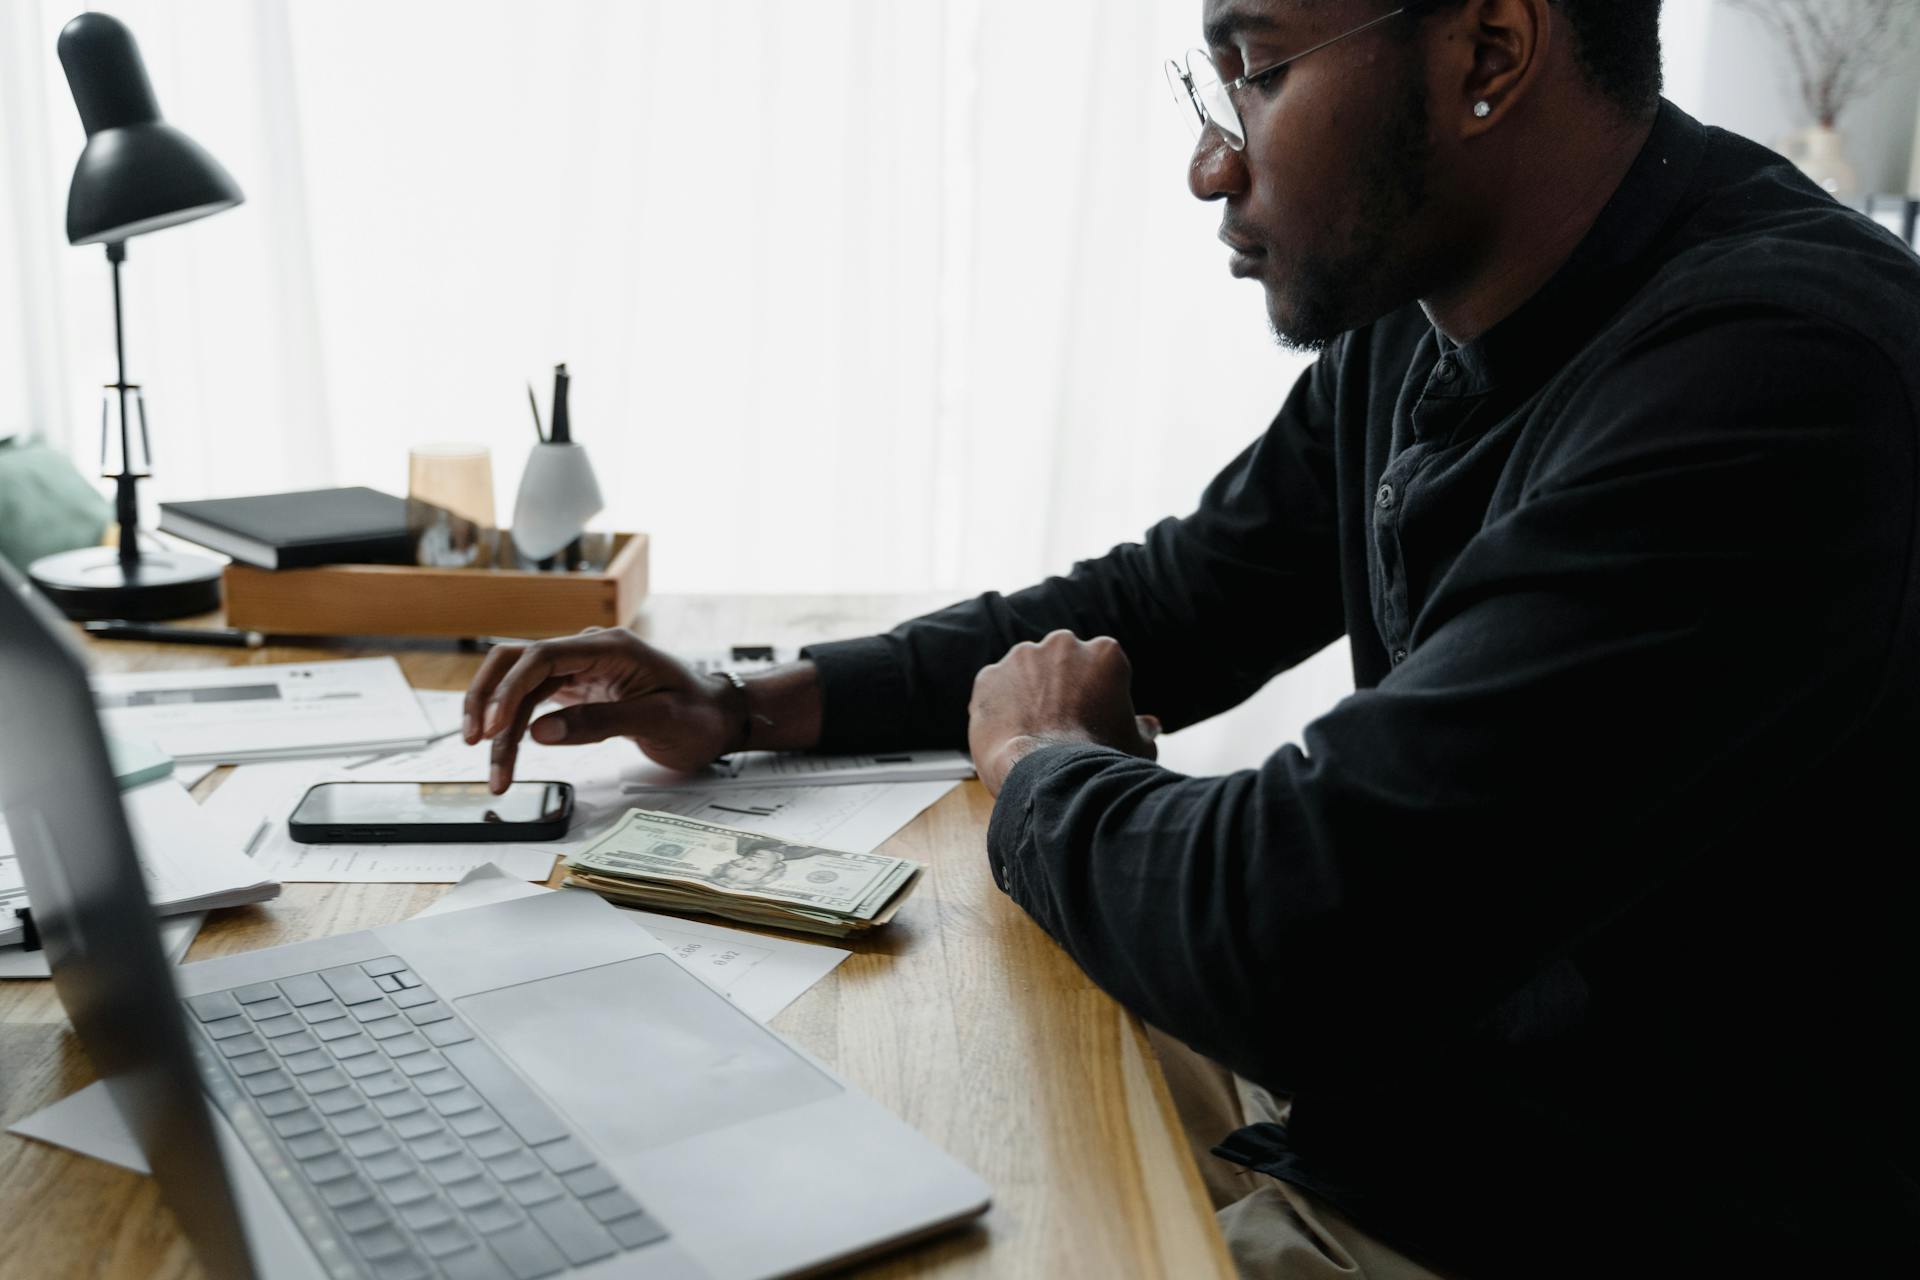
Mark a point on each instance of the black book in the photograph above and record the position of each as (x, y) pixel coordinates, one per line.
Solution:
(290, 530)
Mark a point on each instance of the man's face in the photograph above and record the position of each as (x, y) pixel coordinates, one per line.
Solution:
(754, 867)
(1322, 205)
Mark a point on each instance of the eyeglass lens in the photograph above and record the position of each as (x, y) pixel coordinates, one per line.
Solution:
(1197, 87)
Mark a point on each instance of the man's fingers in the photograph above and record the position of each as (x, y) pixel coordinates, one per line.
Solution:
(496, 664)
(506, 744)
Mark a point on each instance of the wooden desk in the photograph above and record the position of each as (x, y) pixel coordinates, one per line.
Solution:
(963, 1018)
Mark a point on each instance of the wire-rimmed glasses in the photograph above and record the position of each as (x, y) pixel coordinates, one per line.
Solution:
(1196, 84)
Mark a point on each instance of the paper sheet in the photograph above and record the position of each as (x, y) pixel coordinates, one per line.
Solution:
(228, 714)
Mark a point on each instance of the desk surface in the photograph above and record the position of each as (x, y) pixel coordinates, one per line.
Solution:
(963, 1018)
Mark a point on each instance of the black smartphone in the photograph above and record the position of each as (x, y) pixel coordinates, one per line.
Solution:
(430, 813)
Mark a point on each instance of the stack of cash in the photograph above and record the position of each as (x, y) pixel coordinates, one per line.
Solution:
(664, 861)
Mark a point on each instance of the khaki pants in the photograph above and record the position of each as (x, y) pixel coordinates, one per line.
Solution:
(1275, 1231)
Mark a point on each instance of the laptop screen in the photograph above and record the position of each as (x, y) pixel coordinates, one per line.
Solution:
(89, 903)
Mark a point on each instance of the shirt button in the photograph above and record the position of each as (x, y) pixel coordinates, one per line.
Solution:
(1446, 370)
(1385, 497)
(1399, 656)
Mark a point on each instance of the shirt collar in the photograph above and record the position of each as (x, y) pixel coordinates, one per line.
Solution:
(1607, 267)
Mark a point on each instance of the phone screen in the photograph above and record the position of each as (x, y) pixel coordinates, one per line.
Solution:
(430, 803)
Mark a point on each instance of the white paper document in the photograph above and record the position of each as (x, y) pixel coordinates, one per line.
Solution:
(190, 863)
(234, 714)
(804, 769)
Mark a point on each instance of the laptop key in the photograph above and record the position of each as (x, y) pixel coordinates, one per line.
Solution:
(305, 989)
(235, 1046)
(254, 1063)
(496, 1141)
(609, 1205)
(418, 1125)
(214, 1006)
(564, 1156)
(227, 1028)
(636, 1230)
(255, 992)
(402, 1045)
(284, 1025)
(298, 1042)
(373, 1012)
(388, 983)
(474, 1264)
(351, 985)
(590, 1181)
(371, 1143)
(281, 1104)
(309, 1145)
(365, 1216)
(538, 1189)
(452, 1169)
(528, 1254)
(408, 1266)
(407, 979)
(331, 1011)
(337, 1101)
(405, 1191)
(417, 1065)
(381, 1242)
(411, 996)
(268, 1082)
(515, 1164)
(270, 1007)
(379, 1086)
(472, 1193)
(439, 1080)
(358, 1120)
(429, 1013)
(422, 1214)
(386, 1166)
(322, 1081)
(295, 1123)
(447, 1238)
(436, 1146)
(312, 1060)
(395, 1105)
(388, 1028)
(342, 1192)
(326, 1168)
(511, 1098)
(361, 1067)
(572, 1228)
(446, 1033)
(471, 1124)
(385, 964)
(343, 1038)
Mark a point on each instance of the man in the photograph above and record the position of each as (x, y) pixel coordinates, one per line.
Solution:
(1568, 945)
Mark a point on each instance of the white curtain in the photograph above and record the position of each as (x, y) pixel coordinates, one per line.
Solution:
(857, 294)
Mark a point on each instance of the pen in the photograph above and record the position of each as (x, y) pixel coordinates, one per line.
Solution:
(561, 429)
(533, 403)
(121, 629)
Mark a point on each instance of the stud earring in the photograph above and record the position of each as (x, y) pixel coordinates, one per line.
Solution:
(1483, 109)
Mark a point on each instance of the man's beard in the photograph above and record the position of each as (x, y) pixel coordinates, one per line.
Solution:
(1331, 295)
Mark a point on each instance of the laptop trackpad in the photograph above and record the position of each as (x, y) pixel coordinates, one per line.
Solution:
(646, 1050)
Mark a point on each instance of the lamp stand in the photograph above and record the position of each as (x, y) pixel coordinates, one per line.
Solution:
(124, 581)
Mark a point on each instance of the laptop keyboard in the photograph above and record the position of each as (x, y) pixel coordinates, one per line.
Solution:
(402, 1144)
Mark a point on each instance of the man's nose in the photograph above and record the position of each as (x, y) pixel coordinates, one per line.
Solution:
(1215, 170)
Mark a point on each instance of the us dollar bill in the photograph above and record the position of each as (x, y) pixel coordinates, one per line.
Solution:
(703, 859)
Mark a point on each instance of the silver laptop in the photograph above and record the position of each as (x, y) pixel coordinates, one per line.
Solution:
(522, 1090)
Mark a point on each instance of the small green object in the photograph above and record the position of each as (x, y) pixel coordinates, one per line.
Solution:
(137, 761)
(46, 505)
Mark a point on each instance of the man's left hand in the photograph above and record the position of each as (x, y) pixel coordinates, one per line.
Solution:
(1062, 689)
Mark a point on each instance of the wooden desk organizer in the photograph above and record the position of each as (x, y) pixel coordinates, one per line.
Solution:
(414, 600)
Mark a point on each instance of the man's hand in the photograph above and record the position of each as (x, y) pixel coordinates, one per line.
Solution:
(610, 683)
(1059, 690)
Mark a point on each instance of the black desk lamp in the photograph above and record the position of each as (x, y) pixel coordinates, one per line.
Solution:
(137, 174)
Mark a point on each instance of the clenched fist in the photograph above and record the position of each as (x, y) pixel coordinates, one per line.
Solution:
(1062, 689)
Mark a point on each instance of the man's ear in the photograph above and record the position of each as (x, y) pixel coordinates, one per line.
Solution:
(1494, 50)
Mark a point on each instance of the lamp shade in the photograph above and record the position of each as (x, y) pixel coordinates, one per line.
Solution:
(137, 173)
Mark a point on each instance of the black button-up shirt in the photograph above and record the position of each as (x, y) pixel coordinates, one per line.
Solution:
(1584, 933)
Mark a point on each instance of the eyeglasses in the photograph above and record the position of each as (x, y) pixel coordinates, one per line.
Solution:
(1198, 85)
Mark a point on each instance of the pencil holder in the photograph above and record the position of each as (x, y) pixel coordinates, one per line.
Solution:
(558, 495)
